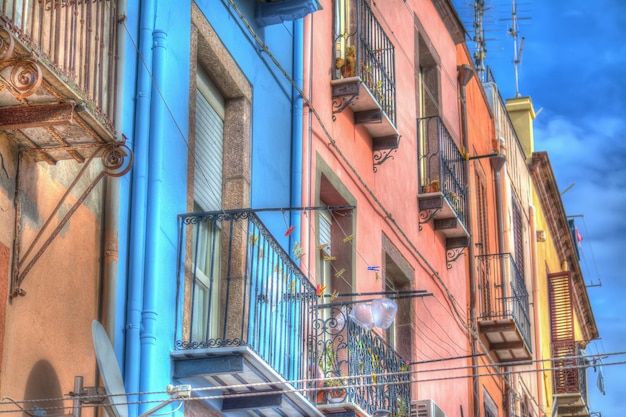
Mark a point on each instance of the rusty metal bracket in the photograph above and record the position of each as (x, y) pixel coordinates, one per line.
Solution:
(117, 160)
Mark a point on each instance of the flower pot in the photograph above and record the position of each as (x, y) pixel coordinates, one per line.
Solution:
(321, 397)
(336, 395)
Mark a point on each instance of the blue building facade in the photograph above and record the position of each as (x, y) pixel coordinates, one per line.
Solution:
(211, 114)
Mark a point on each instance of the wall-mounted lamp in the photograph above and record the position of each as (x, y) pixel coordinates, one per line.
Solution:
(466, 73)
(381, 413)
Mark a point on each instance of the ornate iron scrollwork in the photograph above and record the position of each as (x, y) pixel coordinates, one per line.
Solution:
(452, 255)
(382, 156)
(340, 103)
(374, 375)
(426, 215)
(26, 76)
(6, 45)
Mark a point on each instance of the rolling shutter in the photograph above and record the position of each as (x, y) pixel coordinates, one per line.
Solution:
(209, 147)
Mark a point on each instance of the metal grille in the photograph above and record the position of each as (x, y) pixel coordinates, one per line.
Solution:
(77, 38)
(501, 270)
(375, 374)
(264, 301)
(442, 163)
(359, 37)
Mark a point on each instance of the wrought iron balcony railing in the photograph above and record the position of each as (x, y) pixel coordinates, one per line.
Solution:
(363, 50)
(238, 287)
(75, 39)
(441, 164)
(503, 293)
(570, 369)
(375, 376)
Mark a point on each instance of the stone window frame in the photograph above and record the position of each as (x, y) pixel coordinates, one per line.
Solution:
(210, 53)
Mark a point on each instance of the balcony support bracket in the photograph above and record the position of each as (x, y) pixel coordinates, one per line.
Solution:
(426, 215)
(452, 254)
(381, 156)
(117, 160)
(343, 94)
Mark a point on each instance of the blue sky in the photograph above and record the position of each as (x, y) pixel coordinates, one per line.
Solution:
(573, 67)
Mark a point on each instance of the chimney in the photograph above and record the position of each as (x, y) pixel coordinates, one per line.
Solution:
(522, 114)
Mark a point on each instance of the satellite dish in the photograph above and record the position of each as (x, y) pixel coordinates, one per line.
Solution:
(109, 369)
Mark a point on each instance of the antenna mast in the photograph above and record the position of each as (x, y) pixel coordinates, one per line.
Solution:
(517, 53)
(479, 38)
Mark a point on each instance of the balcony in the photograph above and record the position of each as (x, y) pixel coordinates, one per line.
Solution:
(244, 315)
(58, 76)
(503, 311)
(359, 362)
(442, 182)
(364, 75)
(570, 380)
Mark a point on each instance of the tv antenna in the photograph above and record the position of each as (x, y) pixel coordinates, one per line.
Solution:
(517, 52)
(113, 396)
(479, 38)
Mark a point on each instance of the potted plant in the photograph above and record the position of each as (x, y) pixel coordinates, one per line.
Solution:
(403, 408)
(335, 390)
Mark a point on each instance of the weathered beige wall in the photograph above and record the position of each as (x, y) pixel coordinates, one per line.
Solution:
(47, 332)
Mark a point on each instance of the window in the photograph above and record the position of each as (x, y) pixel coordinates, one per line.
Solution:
(207, 195)
(325, 256)
(335, 228)
(334, 270)
(345, 27)
(206, 290)
(518, 236)
(398, 275)
(364, 54)
(428, 98)
(489, 406)
(390, 335)
(220, 114)
(482, 246)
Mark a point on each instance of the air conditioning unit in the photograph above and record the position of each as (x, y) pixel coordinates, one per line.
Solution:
(426, 408)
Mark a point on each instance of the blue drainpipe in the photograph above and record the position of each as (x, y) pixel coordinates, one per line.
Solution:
(296, 131)
(138, 205)
(154, 276)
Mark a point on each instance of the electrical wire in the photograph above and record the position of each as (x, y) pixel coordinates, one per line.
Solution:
(332, 143)
(290, 389)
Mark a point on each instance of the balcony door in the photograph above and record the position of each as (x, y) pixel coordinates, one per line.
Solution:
(205, 322)
(428, 98)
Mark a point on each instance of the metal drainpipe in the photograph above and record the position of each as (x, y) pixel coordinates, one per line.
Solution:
(296, 132)
(464, 79)
(500, 223)
(114, 297)
(153, 280)
(138, 206)
(535, 275)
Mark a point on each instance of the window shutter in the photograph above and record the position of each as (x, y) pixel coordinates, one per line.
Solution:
(208, 155)
(324, 232)
(565, 374)
(561, 308)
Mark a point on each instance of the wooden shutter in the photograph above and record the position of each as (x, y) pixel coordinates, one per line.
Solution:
(561, 309)
(518, 236)
(565, 374)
